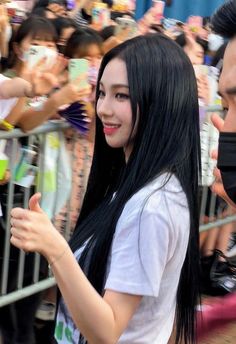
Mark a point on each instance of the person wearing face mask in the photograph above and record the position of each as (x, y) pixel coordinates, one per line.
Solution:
(225, 184)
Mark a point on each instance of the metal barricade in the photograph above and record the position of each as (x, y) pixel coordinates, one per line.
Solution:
(38, 284)
(214, 212)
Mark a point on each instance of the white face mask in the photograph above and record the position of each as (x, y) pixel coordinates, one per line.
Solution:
(22, 56)
(214, 42)
(93, 75)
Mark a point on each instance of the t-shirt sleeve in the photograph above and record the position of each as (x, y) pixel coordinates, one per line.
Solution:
(6, 105)
(140, 251)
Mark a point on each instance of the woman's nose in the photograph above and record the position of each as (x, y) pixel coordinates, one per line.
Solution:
(104, 107)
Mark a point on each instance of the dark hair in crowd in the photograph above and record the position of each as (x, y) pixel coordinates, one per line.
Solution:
(181, 40)
(35, 27)
(167, 140)
(107, 32)
(224, 19)
(45, 3)
(219, 55)
(62, 23)
(80, 40)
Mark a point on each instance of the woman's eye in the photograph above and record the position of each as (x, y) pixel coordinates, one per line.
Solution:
(101, 94)
(122, 96)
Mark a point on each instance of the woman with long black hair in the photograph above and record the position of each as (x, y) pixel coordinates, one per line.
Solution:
(131, 269)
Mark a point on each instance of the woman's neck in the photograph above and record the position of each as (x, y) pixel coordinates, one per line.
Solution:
(18, 68)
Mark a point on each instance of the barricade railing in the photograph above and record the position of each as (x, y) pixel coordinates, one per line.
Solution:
(212, 212)
(7, 295)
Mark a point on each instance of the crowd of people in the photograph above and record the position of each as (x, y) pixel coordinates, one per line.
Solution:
(135, 265)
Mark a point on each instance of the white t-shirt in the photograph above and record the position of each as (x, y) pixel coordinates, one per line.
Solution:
(147, 254)
(6, 105)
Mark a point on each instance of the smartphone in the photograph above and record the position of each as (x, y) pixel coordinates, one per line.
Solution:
(126, 28)
(37, 53)
(78, 69)
(158, 10)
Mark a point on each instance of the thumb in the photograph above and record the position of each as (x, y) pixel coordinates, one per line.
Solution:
(217, 121)
(34, 203)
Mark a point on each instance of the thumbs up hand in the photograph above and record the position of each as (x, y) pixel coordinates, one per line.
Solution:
(34, 203)
(32, 231)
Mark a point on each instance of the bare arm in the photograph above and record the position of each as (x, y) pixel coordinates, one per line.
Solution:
(31, 118)
(102, 320)
(15, 88)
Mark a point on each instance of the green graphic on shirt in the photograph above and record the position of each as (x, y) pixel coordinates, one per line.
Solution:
(59, 330)
(68, 335)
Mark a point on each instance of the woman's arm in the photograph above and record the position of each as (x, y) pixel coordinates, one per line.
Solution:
(32, 118)
(100, 320)
(15, 88)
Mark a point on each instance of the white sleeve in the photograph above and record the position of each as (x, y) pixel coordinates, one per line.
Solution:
(141, 248)
(6, 105)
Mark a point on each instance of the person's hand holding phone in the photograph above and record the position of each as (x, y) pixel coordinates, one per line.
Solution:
(43, 80)
(3, 17)
(78, 73)
(69, 94)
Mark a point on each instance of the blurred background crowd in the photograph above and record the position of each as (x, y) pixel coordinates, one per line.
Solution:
(56, 46)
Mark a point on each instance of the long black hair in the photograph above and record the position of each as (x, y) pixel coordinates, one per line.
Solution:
(163, 91)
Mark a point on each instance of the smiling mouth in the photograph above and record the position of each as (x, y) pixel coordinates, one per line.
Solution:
(110, 129)
(107, 125)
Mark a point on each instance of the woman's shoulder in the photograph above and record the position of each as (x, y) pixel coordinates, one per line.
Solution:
(165, 186)
(162, 199)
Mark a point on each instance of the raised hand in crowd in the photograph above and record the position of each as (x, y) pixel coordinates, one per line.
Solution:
(42, 79)
(69, 94)
(192, 48)
(6, 178)
(203, 88)
(36, 82)
(4, 22)
(57, 9)
(3, 18)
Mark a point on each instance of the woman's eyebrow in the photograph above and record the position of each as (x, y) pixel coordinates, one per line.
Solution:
(116, 85)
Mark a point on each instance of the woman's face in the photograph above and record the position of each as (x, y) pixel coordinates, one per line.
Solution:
(195, 53)
(25, 44)
(114, 106)
(92, 54)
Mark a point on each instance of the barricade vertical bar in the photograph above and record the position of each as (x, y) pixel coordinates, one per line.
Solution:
(22, 253)
(67, 230)
(212, 207)
(41, 164)
(57, 177)
(203, 204)
(10, 200)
